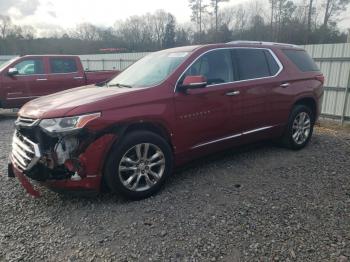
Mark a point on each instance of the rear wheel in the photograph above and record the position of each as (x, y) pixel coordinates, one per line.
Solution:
(300, 128)
(138, 165)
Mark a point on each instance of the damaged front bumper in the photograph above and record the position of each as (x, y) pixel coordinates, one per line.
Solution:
(57, 163)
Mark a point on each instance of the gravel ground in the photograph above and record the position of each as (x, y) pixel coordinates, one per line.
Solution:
(257, 203)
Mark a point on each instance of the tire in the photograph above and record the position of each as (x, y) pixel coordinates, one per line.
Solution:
(290, 138)
(127, 165)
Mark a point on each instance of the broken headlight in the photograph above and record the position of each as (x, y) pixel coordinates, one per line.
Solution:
(67, 124)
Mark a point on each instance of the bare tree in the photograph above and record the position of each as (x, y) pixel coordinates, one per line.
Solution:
(333, 8)
(86, 31)
(309, 18)
(5, 26)
(198, 7)
(215, 6)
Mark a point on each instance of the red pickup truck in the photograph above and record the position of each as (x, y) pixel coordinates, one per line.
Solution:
(28, 77)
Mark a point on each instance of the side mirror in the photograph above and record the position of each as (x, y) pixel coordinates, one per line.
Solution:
(12, 71)
(192, 82)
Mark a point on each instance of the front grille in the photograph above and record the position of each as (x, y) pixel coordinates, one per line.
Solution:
(25, 153)
(25, 121)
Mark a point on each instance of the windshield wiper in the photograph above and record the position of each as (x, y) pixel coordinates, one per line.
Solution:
(119, 85)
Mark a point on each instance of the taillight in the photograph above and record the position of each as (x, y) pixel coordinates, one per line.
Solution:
(320, 78)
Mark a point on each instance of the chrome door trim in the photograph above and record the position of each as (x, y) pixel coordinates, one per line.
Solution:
(217, 140)
(256, 130)
(21, 97)
(232, 136)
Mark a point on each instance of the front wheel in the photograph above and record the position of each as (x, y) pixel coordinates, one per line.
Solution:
(300, 128)
(138, 165)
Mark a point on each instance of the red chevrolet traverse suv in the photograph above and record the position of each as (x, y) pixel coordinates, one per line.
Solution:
(166, 109)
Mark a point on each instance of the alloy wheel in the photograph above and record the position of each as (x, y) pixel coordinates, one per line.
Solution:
(301, 128)
(141, 167)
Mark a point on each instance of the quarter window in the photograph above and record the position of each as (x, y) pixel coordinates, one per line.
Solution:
(63, 65)
(216, 66)
(30, 67)
(301, 59)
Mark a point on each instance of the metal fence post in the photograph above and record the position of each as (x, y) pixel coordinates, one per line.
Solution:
(88, 64)
(103, 64)
(346, 95)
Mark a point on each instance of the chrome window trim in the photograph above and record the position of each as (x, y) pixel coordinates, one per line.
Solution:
(67, 73)
(49, 74)
(238, 81)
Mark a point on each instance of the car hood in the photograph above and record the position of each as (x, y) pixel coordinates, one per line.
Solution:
(59, 104)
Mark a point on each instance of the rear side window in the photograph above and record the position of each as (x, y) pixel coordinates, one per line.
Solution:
(252, 63)
(63, 65)
(301, 59)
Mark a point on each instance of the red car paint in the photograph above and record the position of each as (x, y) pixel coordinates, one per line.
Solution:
(16, 90)
(188, 120)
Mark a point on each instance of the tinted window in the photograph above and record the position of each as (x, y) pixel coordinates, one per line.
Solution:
(273, 66)
(63, 65)
(252, 63)
(30, 67)
(216, 66)
(301, 59)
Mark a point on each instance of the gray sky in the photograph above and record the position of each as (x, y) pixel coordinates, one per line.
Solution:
(48, 14)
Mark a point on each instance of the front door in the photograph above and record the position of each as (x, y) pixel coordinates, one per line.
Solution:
(205, 115)
(19, 88)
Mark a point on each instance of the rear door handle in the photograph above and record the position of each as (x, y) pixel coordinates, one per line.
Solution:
(41, 79)
(233, 93)
(284, 85)
(78, 77)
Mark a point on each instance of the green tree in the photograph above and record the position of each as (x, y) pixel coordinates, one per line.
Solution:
(169, 37)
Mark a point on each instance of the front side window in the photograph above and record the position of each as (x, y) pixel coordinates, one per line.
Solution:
(30, 67)
(63, 65)
(216, 66)
(252, 63)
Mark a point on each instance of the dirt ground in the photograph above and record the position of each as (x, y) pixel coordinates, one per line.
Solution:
(254, 203)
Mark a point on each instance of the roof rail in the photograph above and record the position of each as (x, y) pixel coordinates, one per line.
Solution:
(245, 42)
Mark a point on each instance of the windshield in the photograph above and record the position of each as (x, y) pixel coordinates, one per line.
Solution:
(2, 66)
(150, 70)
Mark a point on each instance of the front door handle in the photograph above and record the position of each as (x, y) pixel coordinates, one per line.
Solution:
(233, 93)
(41, 79)
(78, 77)
(284, 85)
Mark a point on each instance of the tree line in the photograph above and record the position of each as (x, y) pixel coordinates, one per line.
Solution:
(302, 22)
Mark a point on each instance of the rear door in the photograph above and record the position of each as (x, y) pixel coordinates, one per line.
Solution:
(22, 87)
(64, 73)
(205, 116)
(257, 79)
